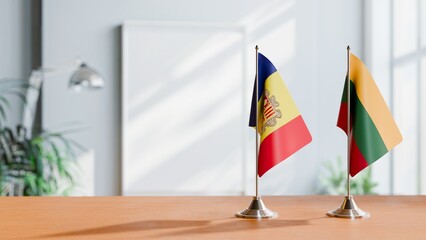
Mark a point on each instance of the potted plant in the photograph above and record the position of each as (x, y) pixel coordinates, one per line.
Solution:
(42, 164)
(334, 179)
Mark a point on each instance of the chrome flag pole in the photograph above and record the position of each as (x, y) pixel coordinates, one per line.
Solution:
(348, 209)
(257, 208)
(257, 122)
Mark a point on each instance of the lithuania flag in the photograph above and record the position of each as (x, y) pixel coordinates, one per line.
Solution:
(373, 131)
(281, 127)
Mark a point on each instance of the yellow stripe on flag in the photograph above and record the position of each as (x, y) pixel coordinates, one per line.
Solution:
(277, 88)
(373, 102)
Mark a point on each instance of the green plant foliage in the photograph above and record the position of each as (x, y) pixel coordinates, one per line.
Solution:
(38, 166)
(333, 181)
(10, 88)
(44, 164)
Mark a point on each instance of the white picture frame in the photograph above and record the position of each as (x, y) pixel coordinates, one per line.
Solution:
(171, 149)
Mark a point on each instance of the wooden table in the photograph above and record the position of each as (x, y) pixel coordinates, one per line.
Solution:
(301, 217)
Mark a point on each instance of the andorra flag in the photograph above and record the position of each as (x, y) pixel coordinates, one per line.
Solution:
(373, 132)
(281, 127)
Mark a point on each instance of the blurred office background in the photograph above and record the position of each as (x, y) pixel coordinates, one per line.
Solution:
(172, 117)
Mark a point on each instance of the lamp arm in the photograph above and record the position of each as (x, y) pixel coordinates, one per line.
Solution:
(32, 96)
(33, 93)
(57, 70)
(83, 76)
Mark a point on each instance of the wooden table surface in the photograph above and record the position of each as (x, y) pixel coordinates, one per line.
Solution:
(300, 217)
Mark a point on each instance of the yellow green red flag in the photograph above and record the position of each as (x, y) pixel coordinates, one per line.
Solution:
(373, 132)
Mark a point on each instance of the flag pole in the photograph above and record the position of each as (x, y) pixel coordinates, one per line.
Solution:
(348, 209)
(348, 87)
(257, 122)
(257, 208)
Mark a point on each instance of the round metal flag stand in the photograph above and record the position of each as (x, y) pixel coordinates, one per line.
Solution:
(348, 209)
(257, 209)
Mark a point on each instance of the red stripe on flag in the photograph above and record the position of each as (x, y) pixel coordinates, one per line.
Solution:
(268, 115)
(342, 120)
(268, 109)
(282, 143)
(358, 161)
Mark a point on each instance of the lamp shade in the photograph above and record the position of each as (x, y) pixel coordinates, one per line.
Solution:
(86, 77)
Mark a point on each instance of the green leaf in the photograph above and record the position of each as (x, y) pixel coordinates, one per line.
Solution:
(5, 101)
(2, 113)
(18, 94)
(30, 180)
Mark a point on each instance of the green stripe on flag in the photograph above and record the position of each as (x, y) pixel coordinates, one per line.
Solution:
(365, 133)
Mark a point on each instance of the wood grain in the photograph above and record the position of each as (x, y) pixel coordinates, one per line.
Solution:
(300, 217)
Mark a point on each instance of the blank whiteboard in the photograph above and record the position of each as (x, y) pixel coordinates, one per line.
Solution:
(183, 102)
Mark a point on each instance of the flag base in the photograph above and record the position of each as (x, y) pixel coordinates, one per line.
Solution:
(348, 209)
(257, 209)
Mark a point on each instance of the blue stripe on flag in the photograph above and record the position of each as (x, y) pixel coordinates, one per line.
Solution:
(266, 69)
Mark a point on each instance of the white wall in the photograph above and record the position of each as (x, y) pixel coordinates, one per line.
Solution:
(340, 24)
(306, 40)
(15, 47)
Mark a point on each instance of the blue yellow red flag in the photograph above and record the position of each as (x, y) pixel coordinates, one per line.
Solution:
(281, 128)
